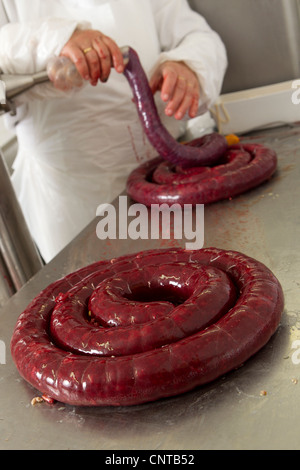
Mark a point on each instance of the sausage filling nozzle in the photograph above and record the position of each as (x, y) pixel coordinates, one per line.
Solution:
(15, 84)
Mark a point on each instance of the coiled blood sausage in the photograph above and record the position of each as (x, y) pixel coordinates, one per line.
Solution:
(202, 171)
(146, 326)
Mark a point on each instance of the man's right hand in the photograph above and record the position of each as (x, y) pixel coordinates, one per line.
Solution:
(93, 54)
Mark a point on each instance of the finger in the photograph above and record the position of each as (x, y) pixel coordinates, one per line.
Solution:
(169, 84)
(115, 53)
(179, 93)
(104, 57)
(76, 55)
(94, 65)
(194, 107)
(155, 82)
(188, 104)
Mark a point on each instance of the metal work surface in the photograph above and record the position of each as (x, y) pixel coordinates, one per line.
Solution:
(230, 413)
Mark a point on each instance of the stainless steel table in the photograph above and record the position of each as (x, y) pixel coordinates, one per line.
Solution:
(230, 413)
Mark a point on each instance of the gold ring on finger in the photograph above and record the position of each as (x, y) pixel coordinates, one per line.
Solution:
(88, 49)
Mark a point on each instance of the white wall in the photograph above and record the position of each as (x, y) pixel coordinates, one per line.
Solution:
(262, 38)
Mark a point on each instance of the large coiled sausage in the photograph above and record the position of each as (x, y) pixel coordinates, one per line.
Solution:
(179, 174)
(146, 326)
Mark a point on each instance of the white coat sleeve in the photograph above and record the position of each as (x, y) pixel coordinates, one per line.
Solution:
(27, 47)
(185, 36)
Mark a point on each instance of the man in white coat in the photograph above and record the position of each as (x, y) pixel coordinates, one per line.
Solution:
(76, 148)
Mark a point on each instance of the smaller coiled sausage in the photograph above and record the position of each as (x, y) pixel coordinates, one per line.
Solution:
(246, 166)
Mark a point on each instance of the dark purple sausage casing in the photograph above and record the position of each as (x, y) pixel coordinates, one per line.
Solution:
(210, 147)
(208, 312)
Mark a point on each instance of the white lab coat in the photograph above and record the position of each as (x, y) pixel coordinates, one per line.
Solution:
(76, 149)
